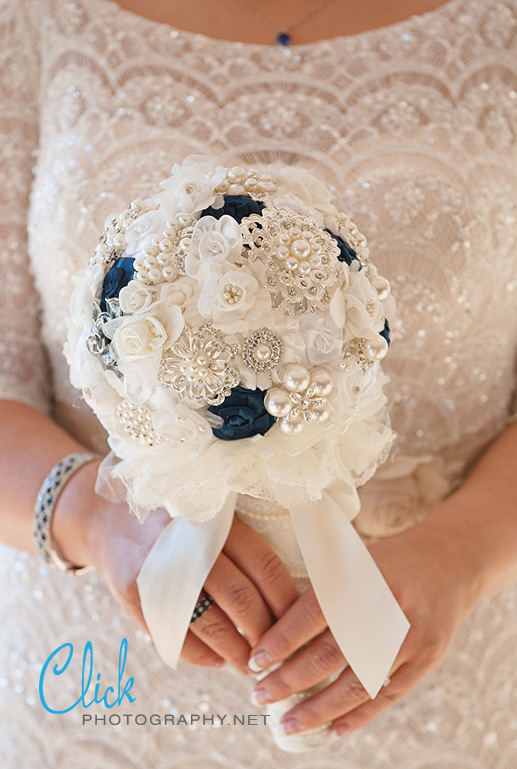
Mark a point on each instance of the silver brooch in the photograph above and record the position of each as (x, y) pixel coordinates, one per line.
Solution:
(301, 258)
(97, 342)
(262, 351)
(198, 366)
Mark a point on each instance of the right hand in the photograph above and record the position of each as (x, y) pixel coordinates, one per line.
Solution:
(250, 585)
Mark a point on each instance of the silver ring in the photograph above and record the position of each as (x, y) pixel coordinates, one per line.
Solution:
(202, 605)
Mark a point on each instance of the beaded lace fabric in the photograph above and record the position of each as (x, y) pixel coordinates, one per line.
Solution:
(415, 126)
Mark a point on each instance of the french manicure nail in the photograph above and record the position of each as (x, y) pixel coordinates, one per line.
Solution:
(260, 697)
(291, 726)
(260, 660)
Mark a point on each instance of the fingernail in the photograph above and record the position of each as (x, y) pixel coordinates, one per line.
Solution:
(260, 697)
(260, 660)
(291, 726)
(342, 729)
(218, 662)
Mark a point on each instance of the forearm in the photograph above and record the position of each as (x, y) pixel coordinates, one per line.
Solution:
(481, 518)
(31, 445)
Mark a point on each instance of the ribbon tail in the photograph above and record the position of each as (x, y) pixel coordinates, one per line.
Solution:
(173, 574)
(367, 622)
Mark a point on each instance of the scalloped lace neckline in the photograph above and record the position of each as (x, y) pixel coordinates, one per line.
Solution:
(443, 10)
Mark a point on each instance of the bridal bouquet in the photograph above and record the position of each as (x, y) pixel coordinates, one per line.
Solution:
(228, 334)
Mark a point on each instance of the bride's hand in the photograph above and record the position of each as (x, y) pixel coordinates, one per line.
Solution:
(250, 585)
(436, 588)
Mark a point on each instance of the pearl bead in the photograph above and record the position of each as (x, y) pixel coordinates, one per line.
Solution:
(284, 239)
(277, 402)
(282, 252)
(291, 426)
(236, 189)
(155, 274)
(375, 349)
(185, 244)
(301, 249)
(321, 413)
(262, 351)
(168, 272)
(304, 268)
(383, 287)
(236, 173)
(296, 378)
(323, 381)
(291, 263)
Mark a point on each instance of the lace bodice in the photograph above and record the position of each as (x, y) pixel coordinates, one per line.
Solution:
(413, 125)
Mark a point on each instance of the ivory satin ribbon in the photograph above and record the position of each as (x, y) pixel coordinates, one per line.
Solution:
(367, 622)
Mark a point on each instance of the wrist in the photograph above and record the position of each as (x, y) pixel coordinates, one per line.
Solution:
(75, 516)
(454, 524)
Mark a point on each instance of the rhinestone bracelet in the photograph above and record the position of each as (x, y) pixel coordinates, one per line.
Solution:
(44, 508)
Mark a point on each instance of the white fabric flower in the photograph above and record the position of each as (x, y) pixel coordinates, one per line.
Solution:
(323, 338)
(233, 299)
(357, 310)
(190, 189)
(142, 230)
(213, 241)
(137, 298)
(295, 183)
(138, 342)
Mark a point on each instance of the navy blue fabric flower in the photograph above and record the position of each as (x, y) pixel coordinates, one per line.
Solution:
(386, 331)
(244, 415)
(237, 206)
(347, 252)
(116, 278)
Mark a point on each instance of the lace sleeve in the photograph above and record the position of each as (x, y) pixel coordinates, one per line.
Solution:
(23, 367)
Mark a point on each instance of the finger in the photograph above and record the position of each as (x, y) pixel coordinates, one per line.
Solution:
(308, 667)
(239, 598)
(301, 622)
(248, 550)
(339, 697)
(198, 653)
(217, 632)
(401, 682)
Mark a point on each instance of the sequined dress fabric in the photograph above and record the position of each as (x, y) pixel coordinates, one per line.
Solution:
(414, 126)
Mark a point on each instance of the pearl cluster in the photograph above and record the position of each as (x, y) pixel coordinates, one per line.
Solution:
(301, 258)
(241, 181)
(137, 422)
(165, 258)
(232, 294)
(302, 399)
(197, 366)
(112, 242)
(262, 351)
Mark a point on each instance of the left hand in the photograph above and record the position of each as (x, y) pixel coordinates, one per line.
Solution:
(435, 588)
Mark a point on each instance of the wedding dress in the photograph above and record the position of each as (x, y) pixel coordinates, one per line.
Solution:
(415, 127)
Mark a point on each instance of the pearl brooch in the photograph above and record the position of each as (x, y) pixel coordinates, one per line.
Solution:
(302, 399)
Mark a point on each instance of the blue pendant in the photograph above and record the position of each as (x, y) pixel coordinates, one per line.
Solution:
(283, 38)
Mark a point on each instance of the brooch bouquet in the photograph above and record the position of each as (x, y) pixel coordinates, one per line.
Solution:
(228, 333)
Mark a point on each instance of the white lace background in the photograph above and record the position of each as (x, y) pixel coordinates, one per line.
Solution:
(415, 127)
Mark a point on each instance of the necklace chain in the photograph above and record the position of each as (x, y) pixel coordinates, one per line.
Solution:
(283, 34)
